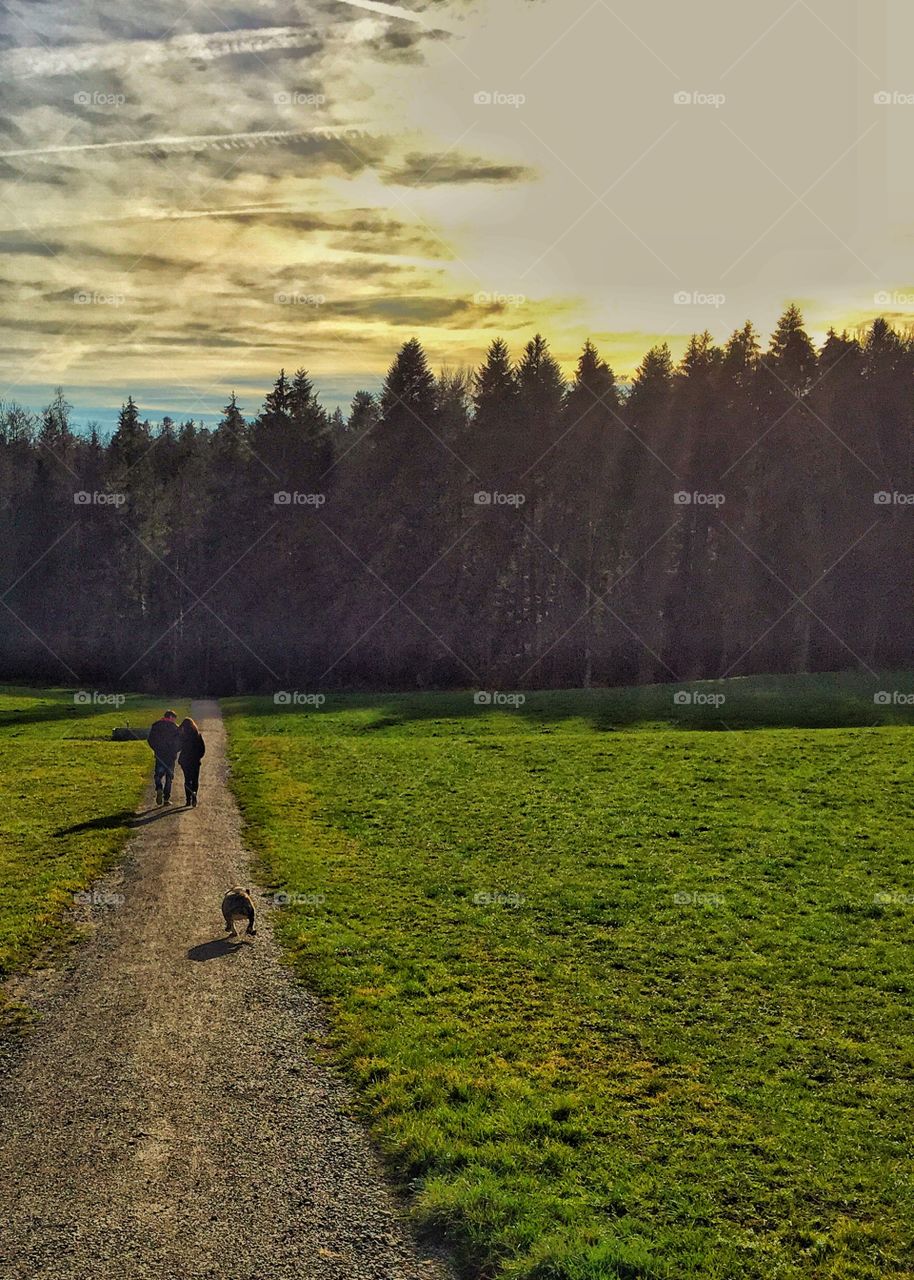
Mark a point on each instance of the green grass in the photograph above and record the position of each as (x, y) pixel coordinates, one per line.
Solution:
(630, 1003)
(68, 793)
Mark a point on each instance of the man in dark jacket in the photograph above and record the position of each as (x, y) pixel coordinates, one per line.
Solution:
(164, 739)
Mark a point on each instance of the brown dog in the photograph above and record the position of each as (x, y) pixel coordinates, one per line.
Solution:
(238, 905)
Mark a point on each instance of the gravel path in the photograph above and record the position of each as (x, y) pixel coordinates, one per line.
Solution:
(168, 1118)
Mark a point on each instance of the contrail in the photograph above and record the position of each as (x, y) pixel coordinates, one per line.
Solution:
(202, 142)
(391, 11)
(122, 54)
(161, 215)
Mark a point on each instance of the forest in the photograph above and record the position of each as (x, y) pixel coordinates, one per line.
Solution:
(744, 510)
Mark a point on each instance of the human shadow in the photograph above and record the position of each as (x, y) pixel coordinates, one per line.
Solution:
(106, 823)
(126, 819)
(215, 948)
(153, 815)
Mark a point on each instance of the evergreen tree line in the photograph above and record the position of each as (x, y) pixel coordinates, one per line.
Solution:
(740, 511)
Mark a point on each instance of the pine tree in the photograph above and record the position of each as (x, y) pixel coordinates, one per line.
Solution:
(651, 389)
(305, 411)
(791, 357)
(533, 570)
(453, 394)
(276, 402)
(232, 422)
(229, 441)
(364, 413)
(541, 393)
(787, 475)
(409, 390)
(584, 523)
(399, 514)
(424, 585)
(131, 439)
(55, 434)
(692, 551)
(495, 384)
(492, 443)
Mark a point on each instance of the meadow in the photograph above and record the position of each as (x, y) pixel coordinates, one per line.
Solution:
(623, 980)
(67, 798)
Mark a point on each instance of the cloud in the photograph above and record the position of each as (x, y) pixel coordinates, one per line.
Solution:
(399, 309)
(426, 170)
(180, 182)
(357, 232)
(30, 248)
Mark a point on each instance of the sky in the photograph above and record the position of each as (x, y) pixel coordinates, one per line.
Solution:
(193, 196)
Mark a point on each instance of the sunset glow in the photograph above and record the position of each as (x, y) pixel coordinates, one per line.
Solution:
(191, 200)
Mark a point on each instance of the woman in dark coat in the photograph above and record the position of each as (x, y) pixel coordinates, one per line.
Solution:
(191, 752)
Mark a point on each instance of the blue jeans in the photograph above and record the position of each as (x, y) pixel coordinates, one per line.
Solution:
(164, 777)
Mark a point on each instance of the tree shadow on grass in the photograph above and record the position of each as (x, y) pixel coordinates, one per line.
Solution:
(215, 948)
(45, 704)
(847, 699)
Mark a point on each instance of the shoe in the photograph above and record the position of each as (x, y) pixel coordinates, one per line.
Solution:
(188, 800)
(159, 795)
(193, 803)
(168, 801)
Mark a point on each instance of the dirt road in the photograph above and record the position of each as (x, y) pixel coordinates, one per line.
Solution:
(168, 1118)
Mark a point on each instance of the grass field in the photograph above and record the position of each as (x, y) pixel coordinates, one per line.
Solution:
(625, 985)
(68, 793)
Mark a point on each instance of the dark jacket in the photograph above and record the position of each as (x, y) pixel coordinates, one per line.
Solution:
(192, 747)
(164, 740)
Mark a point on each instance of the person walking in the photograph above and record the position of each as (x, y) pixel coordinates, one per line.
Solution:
(164, 739)
(192, 749)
